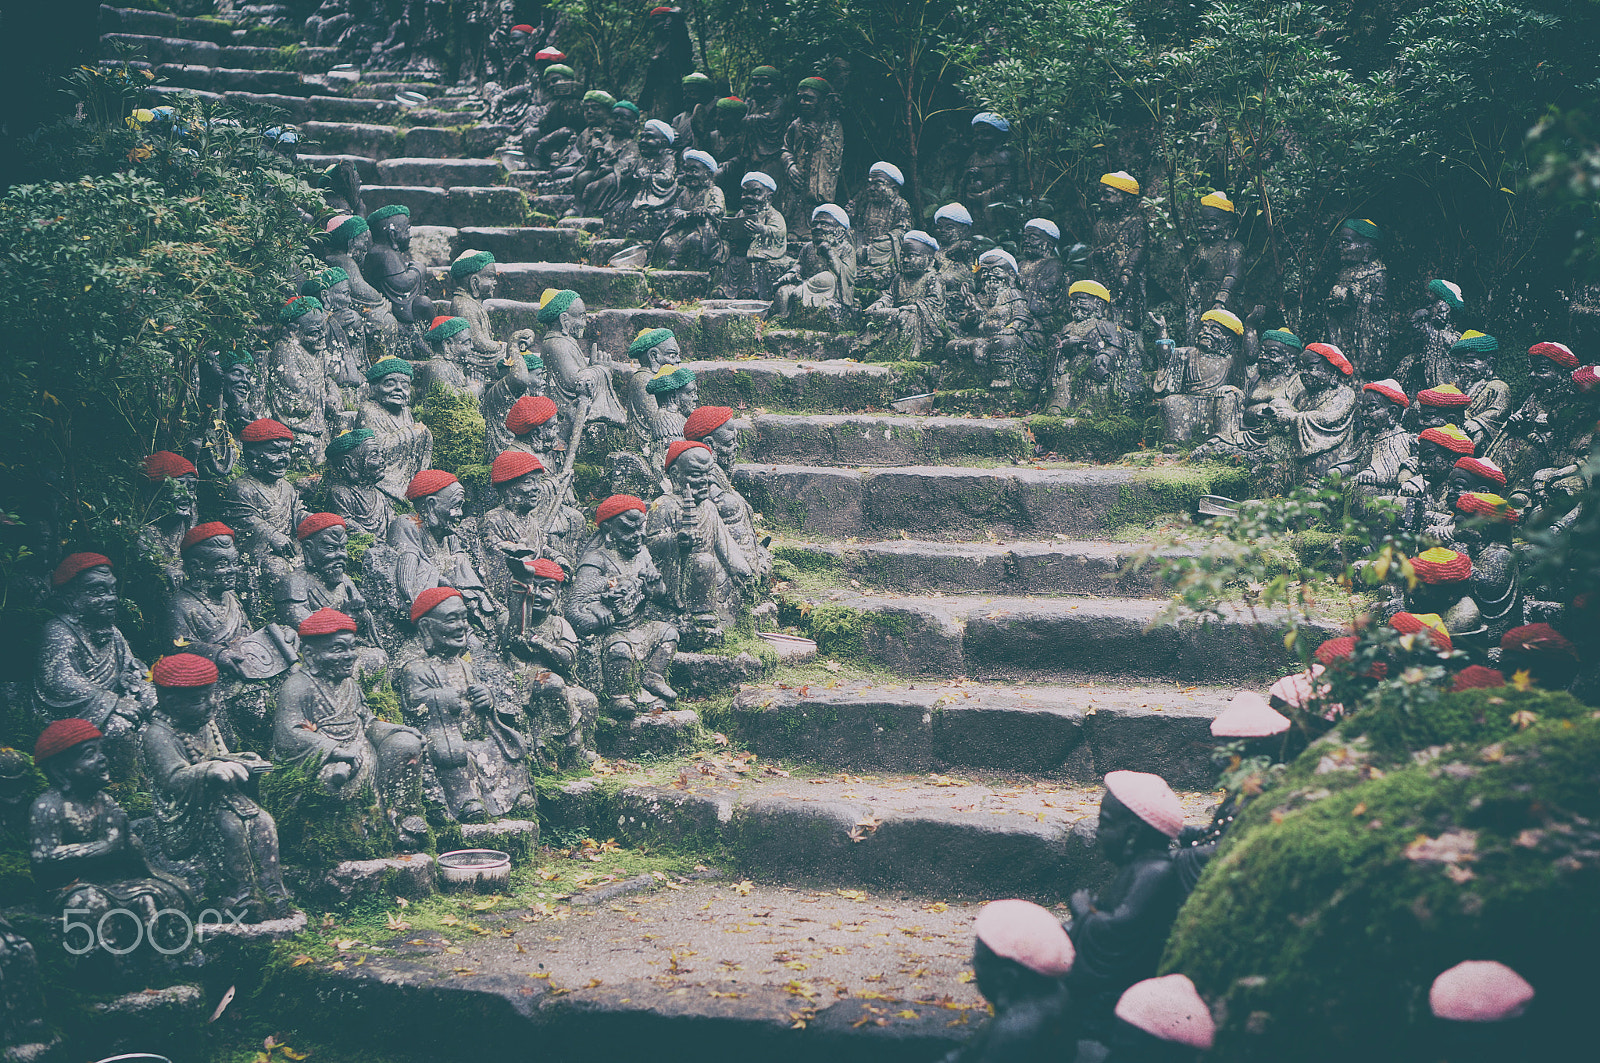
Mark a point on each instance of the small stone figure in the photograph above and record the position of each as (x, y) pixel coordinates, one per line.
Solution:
(241, 404)
(693, 548)
(613, 157)
(431, 552)
(692, 238)
(349, 241)
(389, 268)
(323, 582)
(1434, 364)
(1020, 960)
(957, 258)
(564, 713)
(615, 585)
(1161, 1020)
(1385, 450)
(671, 59)
(174, 508)
(1484, 526)
(300, 393)
(989, 174)
(1120, 932)
(1216, 259)
(676, 394)
(473, 275)
(813, 149)
(522, 374)
(261, 506)
(451, 365)
(1044, 277)
(1437, 407)
(823, 278)
(1426, 493)
(85, 668)
(477, 758)
(84, 853)
(400, 444)
(345, 338)
(725, 140)
(322, 719)
(766, 120)
(535, 429)
(714, 426)
(911, 309)
(655, 354)
(1490, 397)
(693, 122)
(1443, 588)
(758, 242)
(532, 517)
(648, 187)
(1195, 386)
(549, 125)
(575, 382)
(1358, 320)
(562, 155)
(1321, 421)
(1275, 379)
(1525, 445)
(1096, 370)
(202, 792)
(356, 466)
(882, 218)
(1004, 339)
(1119, 245)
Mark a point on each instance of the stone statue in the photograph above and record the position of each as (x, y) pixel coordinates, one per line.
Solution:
(648, 187)
(431, 551)
(345, 335)
(882, 218)
(477, 758)
(1433, 363)
(1484, 526)
(911, 309)
(203, 804)
(562, 155)
(575, 381)
(1097, 370)
(300, 392)
(564, 714)
(613, 156)
(1044, 276)
(84, 853)
(1254, 435)
(1385, 451)
(85, 668)
(451, 365)
(549, 125)
(173, 510)
(323, 720)
(1428, 505)
(1321, 421)
(1526, 443)
(725, 140)
(957, 259)
(1197, 387)
(1020, 958)
(1215, 260)
(522, 375)
(349, 239)
(1119, 245)
(670, 60)
(533, 517)
(261, 506)
(1358, 320)
(473, 276)
(702, 565)
(22, 1024)
(1443, 588)
(813, 149)
(401, 445)
(714, 426)
(1437, 407)
(389, 268)
(654, 353)
(766, 120)
(692, 237)
(989, 174)
(758, 242)
(1489, 397)
(323, 582)
(693, 122)
(1004, 340)
(611, 600)
(535, 429)
(823, 278)
(241, 404)
(356, 465)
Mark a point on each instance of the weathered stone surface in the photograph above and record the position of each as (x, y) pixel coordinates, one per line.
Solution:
(800, 385)
(579, 805)
(699, 675)
(487, 205)
(805, 345)
(1173, 744)
(519, 837)
(795, 840)
(863, 730)
(432, 142)
(356, 138)
(221, 79)
(366, 168)
(412, 875)
(817, 500)
(482, 139)
(523, 244)
(646, 734)
(135, 20)
(862, 439)
(428, 205)
(439, 172)
(165, 1021)
(433, 245)
(317, 108)
(657, 815)
(159, 49)
(524, 281)
(1082, 566)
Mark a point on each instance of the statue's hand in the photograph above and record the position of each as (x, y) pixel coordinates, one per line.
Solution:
(1366, 476)
(1081, 903)
(1159, 321)
(226, 773)
(479, 697)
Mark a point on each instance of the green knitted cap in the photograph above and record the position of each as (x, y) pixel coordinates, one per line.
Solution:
(559, 69)
(551, 312)
(820, 84)
(469, 263)
(626, 105)
(1285, 337)
(345, 442)
(532, 361)
(769, 71)
(732, 103)
(599, 96)
(1479, 344)
(443, 330)
(1446, 291)
(671, 382)
(648, 339)
(318, 283)
(298, 307)
(237, 356)
(388, 212)
(388, 367)
(1363, 227)
(691, 79)
(351, 228)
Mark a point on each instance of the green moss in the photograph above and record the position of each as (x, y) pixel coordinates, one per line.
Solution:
(804, 559)
(358, 546)
(1472, 716)
(837, 630)
(317, 829)
(458, 429)
(16, 875)
(1169, 489)
(1086, 439)
(384, 703)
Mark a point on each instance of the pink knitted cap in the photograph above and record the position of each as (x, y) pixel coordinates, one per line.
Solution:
(1479, 991)
(1148, 797)
(1028, 934)
(1297, 690)
(1249, 716)
(1169, 1008)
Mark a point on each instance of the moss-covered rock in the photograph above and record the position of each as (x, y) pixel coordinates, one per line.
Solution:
(317, 829)
(1342, 892)
(458, 428)
(1083, 438)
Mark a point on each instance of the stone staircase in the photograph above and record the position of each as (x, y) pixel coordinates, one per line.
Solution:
(985, 655)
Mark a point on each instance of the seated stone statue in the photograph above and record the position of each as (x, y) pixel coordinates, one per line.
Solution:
(451, 365)
(174, 510)
(522, 374)
(693, 234)
(1437, 407)
(349, 238)
(300, 392)
(648, 187)
(1428, 509)
(611, 600)
(562, 712)
(323, 582)
(990, 172)
(693, 122)
(911, 310)
(1119, 245)
(477, 764)
(535, 428)
(1527, 444)
(1044, 276)
(22, 1014)
(1384, 449)
(85, 668)
(261, 506)
(322, 719)
(882, 218)
(473, 276)
(430, 551)
(703, 566)
(84, 853)
(654, 353)
(534, 517)
(345, 337)
(400, 444)
(1095, 372)
(613, 157)
(577, 380)
(823, 278)
(389, 268)
(714, 426)
(1357, 305)
(1443, 588)
(355, 468)
(1216, 260)
(758, 242)
(1275, 378)
(1001, 336)
(1432, 363)
(1020, 960)
(1490, 397)
(1484, 526)
(957, 259)
(203, 804)
(560, 155)
(1320, 422)
(1197, 387)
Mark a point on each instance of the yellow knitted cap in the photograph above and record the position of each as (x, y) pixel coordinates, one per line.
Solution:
(547, 295)
(1123, 180)
(1220, 201)
(1225, 319)
(1433, 620)
(1094, 288)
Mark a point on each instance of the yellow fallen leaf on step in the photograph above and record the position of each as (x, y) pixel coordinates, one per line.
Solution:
(854, 895)
(451, 920)
(301, 961)
(743, 888)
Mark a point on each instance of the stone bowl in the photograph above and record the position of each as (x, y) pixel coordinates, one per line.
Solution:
(481, 869)
(408, 98)
(136, 1057)
(513, 160)
(1217, 506)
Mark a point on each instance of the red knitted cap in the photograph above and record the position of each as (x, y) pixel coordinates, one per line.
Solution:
(1338, 650)
(1558, 353)
(512, 464)
(618, 504)
(1389, 390)
(1586, 377)
(1476, 677)
(325, 622)
(164, 463)
(676, 450)
(319, 522)
(1448, 397)
(429, 599)
(705, 420)
(62, 735)
(1334, 356)
(211, 529)
(1410, 624)
(1450, 438)
(528, 413)
(1538, 638)
(184, 670)
(265, 429)
(1484, 505)
(548, 569)
(1482, 467)
(73, 564)
(428, 482)
(1440, 565)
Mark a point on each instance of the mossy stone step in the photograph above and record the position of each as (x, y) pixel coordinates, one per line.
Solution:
(1078, 732)
(297, 109)
(307, 58)
(156, 50)
(214, 78)
(807, 345)
(820, 386)
(881, 439)
(440, 173)
(138, 21)
(453, 207)
(368, 139)
(366, 168)
(524, 282)
(706, 334)
(520, 243)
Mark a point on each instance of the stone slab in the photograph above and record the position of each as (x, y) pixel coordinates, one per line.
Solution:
(367, 139)
(807, 345)
(889, 440)
(166, 1021)
(412, 875)
(523, 244)
(160, 49)
(702, 675)
(525, 281)
(660, 815)
(317, 108)
(648, 734)
(215, 78)
(433, 142)
(439, 172)
(519, 837)
(807, 386)
(1059, 566)
(366, 168)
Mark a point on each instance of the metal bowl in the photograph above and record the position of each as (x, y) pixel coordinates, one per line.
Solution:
(475, 868)
(408, 98)
(136, 1057)
(635, 257)
(513, 160)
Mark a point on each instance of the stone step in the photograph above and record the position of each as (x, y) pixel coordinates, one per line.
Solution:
(453, 142)
(807, 345)
(300, 109)
(223, 79)
(366, 168)
(1044, 639)
(1059, 566)
(882, 439)
(306, 58)
(522, 244)
(160, 24)
(158, 49)
(453, 207)
(525, 281)
(1078, 732)
(440, 173)
(706, 334)
(366, 139)
(830, 386)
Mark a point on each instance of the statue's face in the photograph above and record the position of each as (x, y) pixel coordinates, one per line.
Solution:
(985, 137)
(93, 597)
(1277, 357)
(268, 460)
(687, 397)
(1036, 244)
(971, 184)
(1439, 312)
(1377, 412)
(518, 495)
(398, 229)
(1354, 248)
(1434, 461)
(83, 769)
(807, 101)
(187, 707)
(625, 533)
(482, 283)
(365, 464)
(328, 553)
(651, 142)
(361, 244)
(445, 627)
(564, 90)
(1458, 482)
(239, 383)
(1471, 367)
(699, 91)
(1317, 372)
(214, 564)
(393, 392)
(697, 177)
(915, 257)
(1118, 826)
(660, 24)
(1214, 223)
(725, 440)
(1214, 339)
(537, 380)
(311, 328)
(1547, 378)
(950, 232)
(623, 122)
(1433, 416)
(667, 352)
(180, 498)
(442, 510)
(331, 657)
(1083, 306)
(575, 319)
(595, 113)
(1114, 200)
(337, 297)
(694, 474)
(881, 185)
(543, 599)
(457, 348)
(754, 197)
(763, 86)
(825, 232)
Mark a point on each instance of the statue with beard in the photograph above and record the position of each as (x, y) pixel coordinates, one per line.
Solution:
(472, 275)
(262, 506)
(694, 550)
(346, 336)
(1119, 245)
(1195, 386)
(714, 426)
(758, 242)
(356, 465)
(823, 279)
(1529, 441)
(912, 308)
(1385, 450)
(1003, 339)
(989, 174)
(1097, 371)
(402, 444)
(1432, 364)
(1044, 276)
(882, 217)
(431, 551)
(1320, 422)
(813, 149)
(1216, 260)
(576, 379)
(300, 392)
(563, 713)
(323, 582)
(763, 124)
